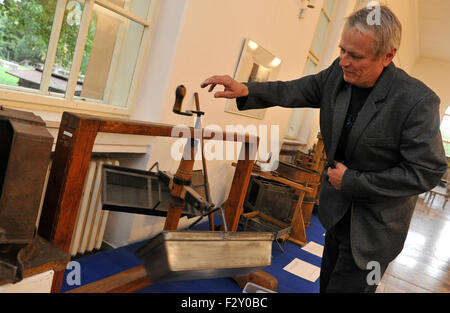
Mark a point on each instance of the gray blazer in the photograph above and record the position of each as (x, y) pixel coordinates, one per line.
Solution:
(394, 152)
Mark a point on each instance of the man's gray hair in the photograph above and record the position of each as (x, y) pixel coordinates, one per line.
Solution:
(386, 29)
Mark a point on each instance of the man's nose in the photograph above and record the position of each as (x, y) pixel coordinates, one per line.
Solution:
(344, 62)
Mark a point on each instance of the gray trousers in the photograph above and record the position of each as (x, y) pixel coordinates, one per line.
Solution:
(339, 272)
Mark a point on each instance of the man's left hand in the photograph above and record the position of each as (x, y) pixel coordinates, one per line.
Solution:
(336, 174)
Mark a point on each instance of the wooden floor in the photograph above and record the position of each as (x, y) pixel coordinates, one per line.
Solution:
(424, 264)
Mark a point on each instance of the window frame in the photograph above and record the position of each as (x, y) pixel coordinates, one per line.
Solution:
(297, 115)
(42, 98)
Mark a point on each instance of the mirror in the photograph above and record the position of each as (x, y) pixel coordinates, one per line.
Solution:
(256, 64)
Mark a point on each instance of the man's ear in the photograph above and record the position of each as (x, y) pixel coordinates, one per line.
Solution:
(388, 57)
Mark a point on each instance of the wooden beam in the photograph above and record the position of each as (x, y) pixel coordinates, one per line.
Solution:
(123, 126)
(285, 181)
(298, 232)
(129, 280)
(72, 156)
(234, 205)
(65, 185)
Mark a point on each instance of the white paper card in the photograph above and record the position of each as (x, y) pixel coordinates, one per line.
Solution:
(303, 270)
(314, 248)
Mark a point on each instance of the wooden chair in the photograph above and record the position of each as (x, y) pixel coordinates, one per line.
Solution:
(439, 190)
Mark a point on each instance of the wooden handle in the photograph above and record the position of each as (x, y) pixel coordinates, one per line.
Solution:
(197, 102)
(179, 96)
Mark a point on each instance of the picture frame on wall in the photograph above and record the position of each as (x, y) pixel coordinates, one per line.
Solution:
(256, 64)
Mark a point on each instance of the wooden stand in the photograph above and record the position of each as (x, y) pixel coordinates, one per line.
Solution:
(298, 233)
(74, 145)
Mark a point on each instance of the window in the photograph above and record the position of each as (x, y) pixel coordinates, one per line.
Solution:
(76, 53)
(445, 131)
(313, 60)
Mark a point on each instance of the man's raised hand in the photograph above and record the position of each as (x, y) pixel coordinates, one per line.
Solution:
(233, 89)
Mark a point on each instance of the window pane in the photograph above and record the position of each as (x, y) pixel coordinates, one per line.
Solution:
(138, 7)
(66, 48)
(25, 28)
(445, 128)
(120, 3)
(447, 149)
(319, 36)
(329, 6)
(110, 57)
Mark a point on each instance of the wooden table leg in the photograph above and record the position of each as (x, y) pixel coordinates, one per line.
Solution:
(234, 205)
(298, 233)
(57, 281)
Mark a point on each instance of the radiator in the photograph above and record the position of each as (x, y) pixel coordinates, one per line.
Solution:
(91, 220)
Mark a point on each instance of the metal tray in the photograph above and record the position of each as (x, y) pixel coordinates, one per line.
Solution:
(259, 222)
(136, 191)
(186, 255)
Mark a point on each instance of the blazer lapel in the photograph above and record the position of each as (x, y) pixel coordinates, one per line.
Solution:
(370, 108)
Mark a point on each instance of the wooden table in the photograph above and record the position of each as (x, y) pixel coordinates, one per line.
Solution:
(73, 151)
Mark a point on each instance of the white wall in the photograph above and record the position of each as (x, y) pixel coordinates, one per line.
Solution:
(436, 75)
(407, 13)
(433, 72)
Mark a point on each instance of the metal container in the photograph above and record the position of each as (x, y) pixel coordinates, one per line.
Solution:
(136, 191)
(186, 255)
(25, 148)
(260, 222)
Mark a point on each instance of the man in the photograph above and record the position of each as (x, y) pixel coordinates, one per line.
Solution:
(380, 129)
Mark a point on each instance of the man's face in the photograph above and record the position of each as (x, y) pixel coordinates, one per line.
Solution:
(358, 60)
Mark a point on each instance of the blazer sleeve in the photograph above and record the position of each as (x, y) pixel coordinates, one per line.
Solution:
(304, 92)
(423, 164)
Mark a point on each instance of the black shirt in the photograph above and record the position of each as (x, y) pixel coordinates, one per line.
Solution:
(358, 98)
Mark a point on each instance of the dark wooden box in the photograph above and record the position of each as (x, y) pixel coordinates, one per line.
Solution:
(269, 197)
(25, 149)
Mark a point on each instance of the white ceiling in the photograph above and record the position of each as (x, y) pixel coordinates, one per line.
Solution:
(434, 23)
